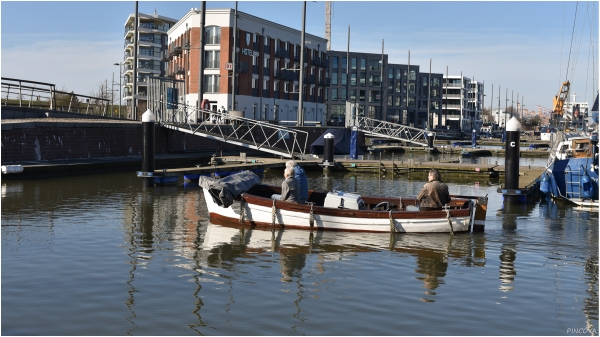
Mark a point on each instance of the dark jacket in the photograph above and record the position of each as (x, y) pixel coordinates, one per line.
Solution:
(300, 176)
(434, 195)
(290, 191)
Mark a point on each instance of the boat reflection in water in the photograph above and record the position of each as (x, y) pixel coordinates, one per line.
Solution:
(433, 252)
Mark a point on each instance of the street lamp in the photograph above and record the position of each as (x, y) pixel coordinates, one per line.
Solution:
(120, 97)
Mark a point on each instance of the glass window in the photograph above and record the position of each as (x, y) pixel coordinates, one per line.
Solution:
(352, 79)
(344, 64)
(399, 74)
(353, 94)
(344, 78)
(343, 94)
(334, 79)
(391, 74)
(374, 65)
(363, 79)
(362, 95)
(334, 94)
(353, 63)
(363, 64)
(334, 61)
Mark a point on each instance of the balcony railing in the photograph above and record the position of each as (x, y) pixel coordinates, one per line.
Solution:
(213, 39)
(211, 89)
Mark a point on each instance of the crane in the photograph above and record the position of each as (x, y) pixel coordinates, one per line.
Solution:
(559, 100)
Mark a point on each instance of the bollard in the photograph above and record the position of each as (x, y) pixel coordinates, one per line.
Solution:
(148, 120)
(430, 140)
(511, 160)
(353, 143)
(328, 148)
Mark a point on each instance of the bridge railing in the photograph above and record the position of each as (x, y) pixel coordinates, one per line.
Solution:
(260, 135)
(391, 130)
(41, 95)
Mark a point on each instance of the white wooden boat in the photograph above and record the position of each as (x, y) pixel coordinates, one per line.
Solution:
(240, 198)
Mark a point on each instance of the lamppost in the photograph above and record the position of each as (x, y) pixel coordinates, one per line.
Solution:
(120, 97)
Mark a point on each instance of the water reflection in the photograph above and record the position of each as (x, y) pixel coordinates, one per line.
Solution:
(432, 252)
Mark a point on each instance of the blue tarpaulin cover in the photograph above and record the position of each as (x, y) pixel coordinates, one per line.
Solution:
(341, 143)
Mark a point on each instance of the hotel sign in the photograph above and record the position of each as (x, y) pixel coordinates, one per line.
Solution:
(246, 51)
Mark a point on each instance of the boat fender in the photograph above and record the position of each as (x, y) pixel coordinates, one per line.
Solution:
(545, 184)
(587, 188)
(12, 169)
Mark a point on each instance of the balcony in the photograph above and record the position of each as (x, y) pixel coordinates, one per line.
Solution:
(176, 51)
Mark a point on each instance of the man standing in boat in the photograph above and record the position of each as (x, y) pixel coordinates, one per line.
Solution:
(434, 194)
(300, 176)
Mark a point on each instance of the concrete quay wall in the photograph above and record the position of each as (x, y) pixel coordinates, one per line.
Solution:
(50, 139)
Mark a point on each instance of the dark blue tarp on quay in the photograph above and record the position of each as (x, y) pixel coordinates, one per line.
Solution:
(341, 143)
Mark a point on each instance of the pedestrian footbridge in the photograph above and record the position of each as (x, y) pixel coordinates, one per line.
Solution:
(271, 138)
(389, 130)
(230, 128)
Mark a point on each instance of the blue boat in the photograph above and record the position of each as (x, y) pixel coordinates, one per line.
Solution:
(572, 172)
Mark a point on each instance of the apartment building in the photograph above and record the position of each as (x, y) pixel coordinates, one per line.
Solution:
(462, 103)
(397, 93)
(151, 55)
(267, 66)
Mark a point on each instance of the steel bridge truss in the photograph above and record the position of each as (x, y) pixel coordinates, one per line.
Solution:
(375, 127)
(174, 113)
(241, 131)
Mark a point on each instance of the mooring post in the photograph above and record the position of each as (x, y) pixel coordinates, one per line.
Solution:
(511, 160)
(148, 120)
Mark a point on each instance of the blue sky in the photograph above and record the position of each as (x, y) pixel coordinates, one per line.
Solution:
(520, 46)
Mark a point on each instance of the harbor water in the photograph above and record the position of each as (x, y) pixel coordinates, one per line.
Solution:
(104, 255)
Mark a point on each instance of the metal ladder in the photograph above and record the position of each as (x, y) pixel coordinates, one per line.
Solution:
(573, 181)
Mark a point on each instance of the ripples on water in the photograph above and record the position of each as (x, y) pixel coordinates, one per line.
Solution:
(101, 255)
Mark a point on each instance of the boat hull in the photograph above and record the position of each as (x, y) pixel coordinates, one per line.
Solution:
(572, 180)
(259, 211)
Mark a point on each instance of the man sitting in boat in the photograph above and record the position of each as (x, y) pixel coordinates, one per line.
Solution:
(289, 188)
(300, 176)
(434, 194)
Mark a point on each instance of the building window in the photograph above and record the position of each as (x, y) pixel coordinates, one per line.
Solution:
(334, 79)
(352, 79)
(361, 95)
(363, 64)
(334, 94)
(353, 94)
(353, 63)
(344, 64)
(212, 59)
(391, 74)
(343, 94)
(212, 35)
(334, 62)
(362, 79)
(344, 78)
(374, 65)
(211, 83)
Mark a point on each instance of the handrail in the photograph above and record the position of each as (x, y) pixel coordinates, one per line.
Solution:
(392, 130)
(42, 95)
(237, 130)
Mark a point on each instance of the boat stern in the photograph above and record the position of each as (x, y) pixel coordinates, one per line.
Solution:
(479, 212)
